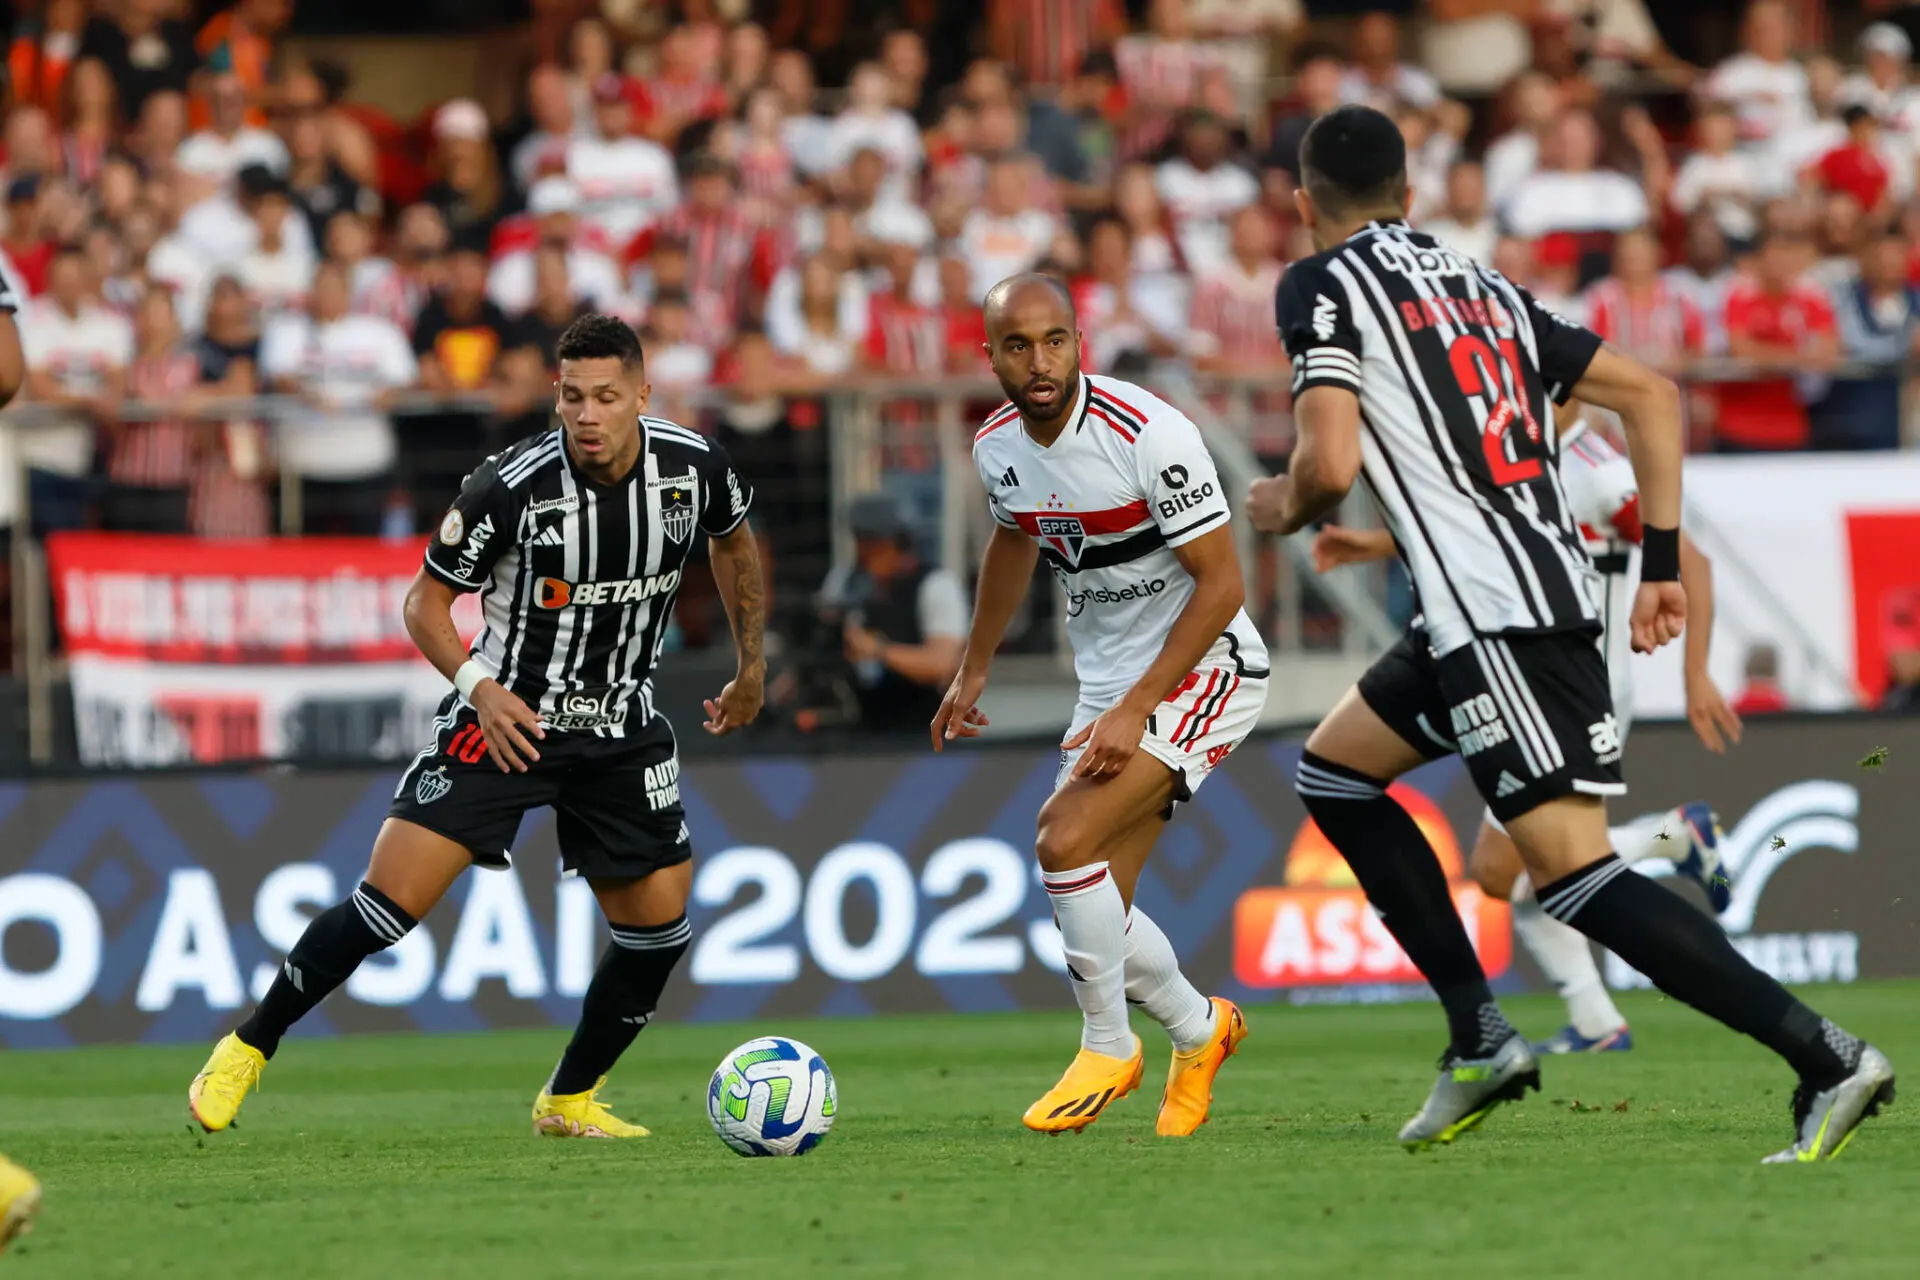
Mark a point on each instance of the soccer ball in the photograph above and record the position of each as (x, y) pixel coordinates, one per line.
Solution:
(772, 1097)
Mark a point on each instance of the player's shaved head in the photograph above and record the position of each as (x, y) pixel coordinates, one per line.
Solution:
(1033, 342)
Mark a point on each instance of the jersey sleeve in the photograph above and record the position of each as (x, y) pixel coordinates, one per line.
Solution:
(1317, 329)
(476, 531)
(1601, 487)
(725, 495)
(1566, 349)
(998, 483)
(1183, 490)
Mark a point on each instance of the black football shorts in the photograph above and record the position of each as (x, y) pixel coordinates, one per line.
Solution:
(1531, 715)
(616, 801)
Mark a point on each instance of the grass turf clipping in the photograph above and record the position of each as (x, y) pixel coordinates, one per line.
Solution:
(414, 1156)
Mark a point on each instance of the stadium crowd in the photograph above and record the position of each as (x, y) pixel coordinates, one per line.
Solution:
(200, 215)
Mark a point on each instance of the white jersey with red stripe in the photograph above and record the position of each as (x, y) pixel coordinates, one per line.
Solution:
(1126, 482)
(1604, 497)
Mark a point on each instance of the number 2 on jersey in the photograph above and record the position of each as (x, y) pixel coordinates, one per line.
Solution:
(1477, 369)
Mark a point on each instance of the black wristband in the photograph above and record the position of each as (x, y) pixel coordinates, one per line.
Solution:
(1659, 554)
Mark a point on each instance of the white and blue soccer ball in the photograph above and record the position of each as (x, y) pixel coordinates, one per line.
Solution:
(772, 1097)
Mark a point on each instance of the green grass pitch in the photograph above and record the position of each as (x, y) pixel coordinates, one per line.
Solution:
(413, 1157)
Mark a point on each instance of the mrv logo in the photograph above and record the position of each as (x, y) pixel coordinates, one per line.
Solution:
(1791, 821)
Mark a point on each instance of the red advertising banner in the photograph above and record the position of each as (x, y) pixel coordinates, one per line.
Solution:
(1884, 548)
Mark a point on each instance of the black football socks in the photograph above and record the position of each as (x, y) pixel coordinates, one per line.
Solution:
(1688, 956)
(620, 1000)
(1401, 875)
(327, 954)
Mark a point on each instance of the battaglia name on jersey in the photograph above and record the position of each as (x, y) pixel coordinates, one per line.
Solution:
(1477, 725)
(556, 593)
(588, 709)
(1079, 600)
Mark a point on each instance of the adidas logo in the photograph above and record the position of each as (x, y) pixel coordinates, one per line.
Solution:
(550, 537)
(1009, 479)
(1508, 784)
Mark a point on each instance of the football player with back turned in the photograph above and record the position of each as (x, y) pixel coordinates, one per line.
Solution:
(575, 539)
(1434, 380)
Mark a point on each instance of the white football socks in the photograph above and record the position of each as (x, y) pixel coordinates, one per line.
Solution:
(1656, 835)
(1155, 983)
(1566, 958)
(1093, 933)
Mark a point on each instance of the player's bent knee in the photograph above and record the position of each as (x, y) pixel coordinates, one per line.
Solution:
(414, 866)
(1495, 864)
(1064, 840)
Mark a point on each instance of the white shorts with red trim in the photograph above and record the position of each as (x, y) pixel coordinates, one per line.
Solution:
(1192, 732)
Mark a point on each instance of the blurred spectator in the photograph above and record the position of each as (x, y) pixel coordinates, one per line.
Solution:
(145, 50)
(1703, 278)
(677, 365)
(554, 204)
(1901, 636)
(905, 334)
(1432, 139)
(1136, 198)
(755, 425)
(1884, 85)
(373, 283)
(1569, 192)
(1317, 89)
(233, 463)
(1072, 136)
(1545, 269)
(682, 91)
(1475, 46)
(1160, 70)
(533, 341)
(92, 120)
(32, 149)
(346, 368)
(157, 136)
(116, 188)
(240, 40)
(748, 57)
(1230, 330)
(966, 326)
(732, 257)
(1782, 325)
(1378, 77)
(1854, 168)
(228, 143)
(467, 188)
(1636, 310)
(590, 54)
(77, 353)
(1245, 32)
(825, 337)
(625, 182)
(44, 51)
(1879, 322)
(276, 270)
(757, 146)
(1200, 188)
(319, 91)
(1009, 233)
(903, 56)
(1725, 182)
(1464, 223)
(1799, 145)
(1047, 39)
(150, 461)
(550, 109)
(420, 246)
(1841, 228)
(320, 187)
(808, 135)
(877, 214)
(461, 332)
(26, 243)
(1760, 692)
(1124, 314)
(1534, 105)
(1765, 86)
(870, 120)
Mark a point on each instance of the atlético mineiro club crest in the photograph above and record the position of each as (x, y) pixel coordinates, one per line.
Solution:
(1064, 534)
(433, 784)
(676, 513)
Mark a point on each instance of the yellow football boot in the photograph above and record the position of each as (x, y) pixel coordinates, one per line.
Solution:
(1091, 1082)
(1183, 1107)
(223, 1084)
(580, 1115)
(19, 1197)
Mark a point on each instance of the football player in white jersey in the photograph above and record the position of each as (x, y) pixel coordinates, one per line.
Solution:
(1115, 490)
(1603, 496)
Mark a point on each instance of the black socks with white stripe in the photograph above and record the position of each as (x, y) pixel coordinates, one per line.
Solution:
(620, 1000)
(327, 954)
(1402, 878)
(1688, 956)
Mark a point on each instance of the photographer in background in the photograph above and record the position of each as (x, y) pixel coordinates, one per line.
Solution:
(902, 623)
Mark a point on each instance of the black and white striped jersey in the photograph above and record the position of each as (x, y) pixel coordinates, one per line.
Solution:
(1457, 370)
(577, 579)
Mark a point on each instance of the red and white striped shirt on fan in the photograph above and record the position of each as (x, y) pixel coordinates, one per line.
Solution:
(904, 338)
(766, 174)
(1231, 317)
(156, 454)
(1660, 326)
(1050, 37)
(685, 100)
(724, 253)
(1161, 78)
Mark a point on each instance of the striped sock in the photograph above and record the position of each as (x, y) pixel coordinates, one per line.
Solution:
(1093, 932)
(327, 954)
(620, 1000)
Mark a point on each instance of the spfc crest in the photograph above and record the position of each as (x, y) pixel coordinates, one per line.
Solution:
(433, 784)
(676, 512)
(1064, 534)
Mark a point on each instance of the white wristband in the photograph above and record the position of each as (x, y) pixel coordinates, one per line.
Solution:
(470, 674)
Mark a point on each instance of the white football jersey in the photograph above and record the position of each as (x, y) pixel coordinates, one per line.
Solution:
(1125, 483)
(1604, 497)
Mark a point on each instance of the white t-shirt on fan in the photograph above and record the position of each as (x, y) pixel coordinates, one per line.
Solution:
(349, 361)
(78, 351)
(624, 185)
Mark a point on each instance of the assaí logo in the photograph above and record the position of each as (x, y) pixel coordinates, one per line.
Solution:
(1787, 823)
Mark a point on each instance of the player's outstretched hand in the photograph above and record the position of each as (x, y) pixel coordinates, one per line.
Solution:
(960, 715)
(506, 723)
(1267, 503)
(1110, 742)
(1659, 615)
(737, 706)
(1709, 714)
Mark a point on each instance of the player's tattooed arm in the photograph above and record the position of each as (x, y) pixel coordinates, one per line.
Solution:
(736, 572)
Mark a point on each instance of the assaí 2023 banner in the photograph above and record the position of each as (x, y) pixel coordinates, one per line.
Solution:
(153, 909)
